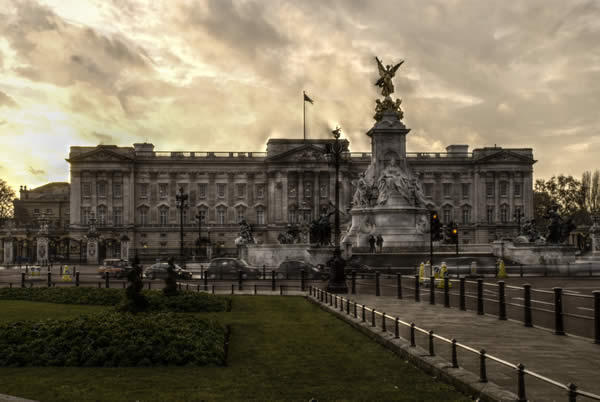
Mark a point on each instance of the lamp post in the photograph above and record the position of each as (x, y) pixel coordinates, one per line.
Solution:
(335, 152)
(518, 215)
(199, 218)
(181, 202)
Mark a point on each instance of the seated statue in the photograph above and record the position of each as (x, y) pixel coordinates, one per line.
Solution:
(393, 179)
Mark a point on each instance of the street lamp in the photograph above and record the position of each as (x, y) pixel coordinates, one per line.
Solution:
(199, 218)
(335, 152)
(181, 202)
(518, 215)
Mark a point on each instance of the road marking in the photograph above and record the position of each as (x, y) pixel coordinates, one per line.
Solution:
(585, 308)
(533, 301)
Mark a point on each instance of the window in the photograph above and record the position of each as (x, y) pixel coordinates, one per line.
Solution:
(163, 190)
(503, 189)
(85, 216)
(241, 214)
(490, 215)
(489, 190)
(518, 215)
(447, 215)
(260, 216)
(306, 215)
(101, 189)
(221, 211)
(323, 190)
(144, 190)
(504, 214)
(241, 189)
(517, 189)
(102, 215)
(291, 190)
(292, 215)
(202, 215)
(117, 216)
(86, 189)
(117, 190)
(221, 190)
(164, 215)
(308, 190)
(36, 211)
(260, 191)
(466, 216)
(49, 211)
(143, 216)
(466, 190)
(447, 189)
(202, 190)
(428, 189)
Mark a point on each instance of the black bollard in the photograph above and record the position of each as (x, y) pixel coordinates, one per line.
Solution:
(363, 313)
(501, 301)
(77, 279)
(559, 328)
(417, 295)
(347, 307)
(272, 281)
(255, 288)
(383, 323)
(302, 277)
(22, 279)
(106, 280)
(49, 279)
(264, 275)
(377, 287)
(527, 304)
(353, 282)
(240, 279)
(521, 388)
(572, 392)
(480, 296)
(335, 302)
(463, 299)
(373, 317)
(396, 328)
(355, 315)
(596, 294)
(232, 288)
(432, 290)
(399, 286)
(482, 370)
(454, 354)
(149, 285)
(205, 282)
(446, 292)
(431, 350)
(412, 335)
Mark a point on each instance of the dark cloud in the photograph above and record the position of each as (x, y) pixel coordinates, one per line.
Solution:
(6, 100)
(36, 172)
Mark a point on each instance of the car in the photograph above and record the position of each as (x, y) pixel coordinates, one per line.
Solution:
(291, 269)
(159, 270)
(114, 267)
(229, 268)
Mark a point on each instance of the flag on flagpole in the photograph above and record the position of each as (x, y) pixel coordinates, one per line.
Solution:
(307, 99)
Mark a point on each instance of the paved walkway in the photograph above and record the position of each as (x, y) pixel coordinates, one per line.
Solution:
(566, 359)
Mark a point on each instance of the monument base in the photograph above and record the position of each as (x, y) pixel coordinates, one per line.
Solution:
(403, 227)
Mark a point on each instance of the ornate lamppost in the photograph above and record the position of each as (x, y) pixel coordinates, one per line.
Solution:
(199, 219)
(181, 202)
(335, 153)
(518, 215)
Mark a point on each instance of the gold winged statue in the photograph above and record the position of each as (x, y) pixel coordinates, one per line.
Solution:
(385, 77)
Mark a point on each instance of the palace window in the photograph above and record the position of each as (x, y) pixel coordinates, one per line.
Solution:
(447, 215)
(202, 214)
(466, 215)
(143, 216)
(324, 190)
(101, 189)
(85, 216)
(292, 215)
(260, 191)
(504, 214)
(241, 190)
(117, 190)
(164, 215)
(221, 190)
(292, 190)
(428, 189)
(117, 216)
(86, 189)
(260, 216)
(163, 190)
(144, 190)
(221, 212)
(466, 190)
(241, 214)
(102, 215)
(184, 216)
(308, 190)
(517, 189)
(447, 190)
(202, 190)
(490, 215)
(503, 189)
(489, 190)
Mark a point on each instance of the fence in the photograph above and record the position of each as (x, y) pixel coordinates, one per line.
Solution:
(384, 320)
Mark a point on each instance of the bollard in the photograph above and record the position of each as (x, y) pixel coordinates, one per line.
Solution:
(596, 294)
(432, 290)
(396, 328)
(106, 281)
(347, 307)
(335, 302)
(198, 288)
(355, 315)
(559, 328)
(431, 351)
(482, 370)
(383, 327)
(341, 304)
(412, 335)
(49, 279)
(521, 388)
(232, 287)
(363, 313)
(501, 301)
(240, 279)
(399, 286)
(254, 288)
(187, 286)
(546, 270)
(22, 279)
(572, 392)
(417, 295)
(179, 286)
(377, 288)
(373, 317)
(149, 285)
(99, 285)
(527, 303)
(446, 292)
(77, 279)
(124, 285)
(463, 301)
(302, 274)
(213, 289)
(353, 282)
(264, 275)
(454, 354)
(480, 296)
(272, 281)
(205, 282)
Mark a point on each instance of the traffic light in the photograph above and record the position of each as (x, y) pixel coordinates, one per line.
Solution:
(451, 234)
(436, 226)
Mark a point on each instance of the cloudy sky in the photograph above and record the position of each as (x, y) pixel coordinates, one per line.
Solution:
(226, 75)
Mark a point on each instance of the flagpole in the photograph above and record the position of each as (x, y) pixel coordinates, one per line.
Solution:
(304, 113)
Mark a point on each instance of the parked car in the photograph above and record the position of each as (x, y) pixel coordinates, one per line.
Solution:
(228, 268)
(291, 269)
(159, 270)
(114, 267)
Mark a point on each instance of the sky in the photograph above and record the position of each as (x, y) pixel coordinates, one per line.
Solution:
(226, 75)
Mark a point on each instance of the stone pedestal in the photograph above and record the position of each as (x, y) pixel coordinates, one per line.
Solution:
(92, 251)
(42, 250)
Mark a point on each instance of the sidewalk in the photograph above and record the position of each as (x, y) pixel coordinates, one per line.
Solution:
(566, 359)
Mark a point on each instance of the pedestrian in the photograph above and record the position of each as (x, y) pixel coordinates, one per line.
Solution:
(371, 244)
(379, 243)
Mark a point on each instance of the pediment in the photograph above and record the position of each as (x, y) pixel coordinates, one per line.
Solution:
(506, 156)
(304, 153)
(100, 155)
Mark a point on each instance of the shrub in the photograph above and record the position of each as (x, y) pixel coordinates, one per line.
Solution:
(135, 301)
(170, 288)
(112, 340)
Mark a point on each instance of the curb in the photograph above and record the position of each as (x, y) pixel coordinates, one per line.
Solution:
(9, 398)
(463, 380)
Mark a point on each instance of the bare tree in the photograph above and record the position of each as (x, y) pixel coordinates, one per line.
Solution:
(591, 191)
(7, 195)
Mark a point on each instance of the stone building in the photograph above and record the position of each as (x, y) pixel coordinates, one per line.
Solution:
(131, 192)
(49, 202)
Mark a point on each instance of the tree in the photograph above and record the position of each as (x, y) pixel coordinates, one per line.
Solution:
(7, 195)
(591, 191)
(566, 193)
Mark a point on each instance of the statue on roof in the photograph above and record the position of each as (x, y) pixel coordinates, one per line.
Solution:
(385, 77)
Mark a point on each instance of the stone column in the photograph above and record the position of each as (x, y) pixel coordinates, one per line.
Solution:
(75, 198)
(284, 197)
(300, 189)
(9, 255)
(270, 196)
(231, 218)
(212, 197)
(316, 196)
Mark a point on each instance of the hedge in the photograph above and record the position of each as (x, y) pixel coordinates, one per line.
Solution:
(114, 339)
(185, 301)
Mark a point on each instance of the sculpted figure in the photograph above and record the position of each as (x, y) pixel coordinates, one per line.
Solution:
(385, 77)
(361, 195)
(393, 179)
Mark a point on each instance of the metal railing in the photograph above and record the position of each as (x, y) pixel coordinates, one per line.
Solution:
(333, 300)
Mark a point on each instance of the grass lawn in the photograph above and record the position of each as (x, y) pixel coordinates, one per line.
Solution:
(282, 348)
